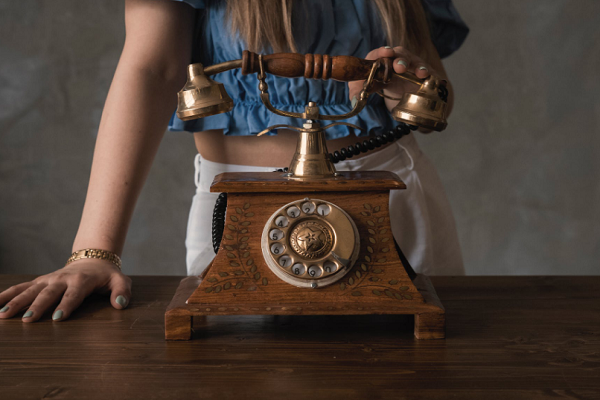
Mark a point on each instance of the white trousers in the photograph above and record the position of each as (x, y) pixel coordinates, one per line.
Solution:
(421, 217)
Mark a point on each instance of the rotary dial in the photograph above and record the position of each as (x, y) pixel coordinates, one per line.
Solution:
(310, 243)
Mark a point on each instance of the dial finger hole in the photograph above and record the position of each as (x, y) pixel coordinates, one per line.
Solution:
(293, 212)
(282, 221)
(276, 234)
(277, 248)
(285, 261)
(298, 269)
(308, 207)
(330, 267)
(323, 209)
(315, 271)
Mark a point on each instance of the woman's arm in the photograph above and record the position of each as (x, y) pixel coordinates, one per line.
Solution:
(142, 97)
(140, 101)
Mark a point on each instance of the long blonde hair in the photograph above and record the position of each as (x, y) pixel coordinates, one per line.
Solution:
(268, 23)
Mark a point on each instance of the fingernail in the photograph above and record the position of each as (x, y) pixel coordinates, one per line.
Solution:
(402, 62)
(121, 300)
(28, 314)
(387, 47)
(422, 68)
(5, 309)
(57, 315)
(354, 101)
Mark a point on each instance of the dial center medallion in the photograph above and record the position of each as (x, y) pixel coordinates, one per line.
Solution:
(311, 239)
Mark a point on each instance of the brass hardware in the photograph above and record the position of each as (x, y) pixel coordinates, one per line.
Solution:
(202, 96)
(222, 67)
(311, 159)
(310, 243)
(424, 108)
(312, 111)
(410, 77)
(311, 239)
(295, 128)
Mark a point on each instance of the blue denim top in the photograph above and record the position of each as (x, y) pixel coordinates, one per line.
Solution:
(335, 27)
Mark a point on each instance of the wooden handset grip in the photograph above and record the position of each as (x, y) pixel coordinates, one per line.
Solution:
(316, 66)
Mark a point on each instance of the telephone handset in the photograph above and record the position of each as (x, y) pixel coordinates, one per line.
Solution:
(310, 240)
(202, 96)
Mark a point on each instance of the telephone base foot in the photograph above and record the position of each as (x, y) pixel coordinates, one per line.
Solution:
(178, 317)
(430, 316)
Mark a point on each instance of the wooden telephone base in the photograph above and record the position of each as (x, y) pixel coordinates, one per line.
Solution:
(239, 282)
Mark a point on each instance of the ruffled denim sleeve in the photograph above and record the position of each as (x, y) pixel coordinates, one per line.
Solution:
(448, 30)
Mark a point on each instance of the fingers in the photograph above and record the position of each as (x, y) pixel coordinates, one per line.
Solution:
(46, 298)
(120, 287)
(72, 298)
(67, 287)
(422, 71)
(13, 291)
(381, 52)
(407, 61)
(355, 87)
(21, 300)
(404, 61)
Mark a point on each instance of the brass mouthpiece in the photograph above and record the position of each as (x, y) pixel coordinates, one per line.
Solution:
(201, 96)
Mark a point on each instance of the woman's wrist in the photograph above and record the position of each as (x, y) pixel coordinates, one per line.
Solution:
(92, 253)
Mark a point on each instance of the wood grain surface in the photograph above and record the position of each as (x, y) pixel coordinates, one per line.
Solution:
(276, 182)
(507, 338)
(240, 261)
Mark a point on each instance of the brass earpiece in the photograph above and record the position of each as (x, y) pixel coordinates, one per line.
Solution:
(425, 108)
(201, 96)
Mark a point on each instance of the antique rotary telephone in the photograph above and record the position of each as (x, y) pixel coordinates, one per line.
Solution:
(309, 240)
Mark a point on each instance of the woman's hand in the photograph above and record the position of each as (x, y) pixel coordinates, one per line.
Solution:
(404, 61)
(68, 287)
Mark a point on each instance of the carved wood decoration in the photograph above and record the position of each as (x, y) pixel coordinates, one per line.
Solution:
(239, 281)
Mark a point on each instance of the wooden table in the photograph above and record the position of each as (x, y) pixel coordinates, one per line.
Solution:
(507, 338)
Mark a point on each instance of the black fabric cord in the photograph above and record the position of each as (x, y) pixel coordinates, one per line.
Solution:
(218, 221)
(372, 143)
(407, 267)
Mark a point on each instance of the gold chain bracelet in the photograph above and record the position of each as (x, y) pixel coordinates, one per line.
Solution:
(95, 253)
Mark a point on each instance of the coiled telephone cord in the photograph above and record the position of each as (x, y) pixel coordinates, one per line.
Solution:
(370, 144)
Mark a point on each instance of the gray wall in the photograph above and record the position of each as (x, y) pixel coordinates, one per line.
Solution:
(519, 160)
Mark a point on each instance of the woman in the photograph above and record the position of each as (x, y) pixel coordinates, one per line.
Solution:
(162, 38)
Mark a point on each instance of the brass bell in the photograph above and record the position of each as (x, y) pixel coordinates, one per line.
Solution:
(201, 96)
(311, 159)
(424, 108)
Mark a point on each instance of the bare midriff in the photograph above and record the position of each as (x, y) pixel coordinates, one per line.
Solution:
(263, 151)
